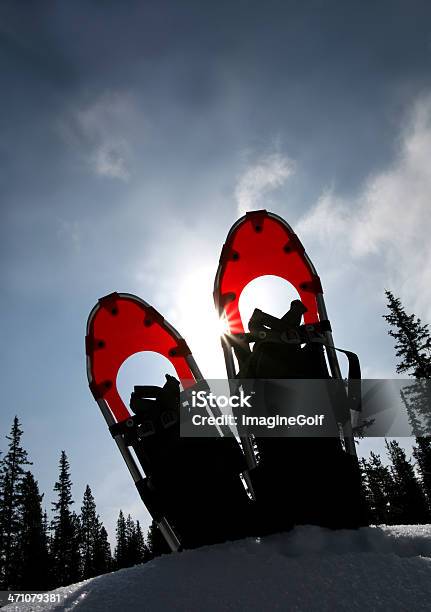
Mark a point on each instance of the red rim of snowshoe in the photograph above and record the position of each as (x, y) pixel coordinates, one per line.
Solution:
(261, 244)
(119, 326)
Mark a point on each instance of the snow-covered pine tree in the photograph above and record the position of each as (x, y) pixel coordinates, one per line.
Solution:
(65, 553)
(32, 561)
(11, 476)
(409, 498)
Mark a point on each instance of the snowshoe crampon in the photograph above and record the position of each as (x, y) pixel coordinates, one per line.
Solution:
(191, 486)
(295, 480)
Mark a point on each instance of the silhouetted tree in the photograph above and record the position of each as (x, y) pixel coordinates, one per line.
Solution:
(409, 499)
(422, 454)
(32, 546)
(131, 544)
(156, 543)
(121, 543)
(89, 532)
(65, 542)
(143, 554)
(380, 488)
(102, 552)
(11, 477)
(413, 339)
(413, 345)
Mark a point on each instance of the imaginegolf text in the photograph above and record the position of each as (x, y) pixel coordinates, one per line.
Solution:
(269, 422)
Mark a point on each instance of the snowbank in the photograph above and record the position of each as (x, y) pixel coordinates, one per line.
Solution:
(309, 569)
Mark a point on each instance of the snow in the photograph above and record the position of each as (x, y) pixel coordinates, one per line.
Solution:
(308, 569)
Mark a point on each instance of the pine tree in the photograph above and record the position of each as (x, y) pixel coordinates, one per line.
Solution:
(413, 339)
(89, 532)
(143, 554)
(95, 548)
(102, 553)
(131, 546)
(48, 539)
(32, 549)
(11, 478)
(422, 454)
(121, 545)
(380, 488)
(413, 410)
(156, 543)
(414, 349)
(137, 551)
(409, 498)
(65, 527)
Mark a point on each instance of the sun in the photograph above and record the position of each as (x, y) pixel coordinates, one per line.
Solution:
(198, 322)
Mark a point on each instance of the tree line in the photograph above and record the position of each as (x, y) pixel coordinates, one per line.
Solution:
(41, 554)
(400, 493)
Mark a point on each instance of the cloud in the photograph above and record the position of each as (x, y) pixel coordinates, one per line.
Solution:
(100, 130)
(267, 174)
(389, 220)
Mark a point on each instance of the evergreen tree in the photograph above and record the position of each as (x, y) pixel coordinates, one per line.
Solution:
(422, 454)
(32, 549)
(102, 553)
(409, 499)
(414, 410)
(65, 542)
(413, 344)
(131, 546)
(137, 551)
(90, 528)
(156, 543)
(413, 340)
(11, 478)
(143, 554)
(366, 493)
(95, 548)
(380, 487)
(121, 545)
(47, 535)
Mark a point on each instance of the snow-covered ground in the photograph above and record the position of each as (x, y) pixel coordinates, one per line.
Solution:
(308, 569)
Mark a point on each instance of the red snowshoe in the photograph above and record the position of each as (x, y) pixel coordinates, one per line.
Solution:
(295, 480)
(192, 486)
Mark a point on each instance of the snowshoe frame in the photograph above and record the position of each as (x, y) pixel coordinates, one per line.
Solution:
(261, 243)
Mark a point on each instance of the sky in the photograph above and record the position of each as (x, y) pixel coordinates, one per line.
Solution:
(134, 134)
